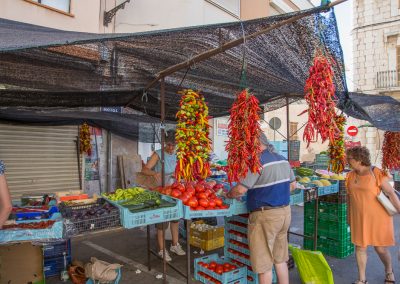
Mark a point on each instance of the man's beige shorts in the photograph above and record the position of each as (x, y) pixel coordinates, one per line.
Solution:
(267, 236)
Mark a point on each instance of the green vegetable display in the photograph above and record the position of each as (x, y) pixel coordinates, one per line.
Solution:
(124, 194)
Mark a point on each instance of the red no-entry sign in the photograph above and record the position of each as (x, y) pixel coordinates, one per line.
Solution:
(352, 130)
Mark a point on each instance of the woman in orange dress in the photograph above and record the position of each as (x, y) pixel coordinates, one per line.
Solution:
(370, 224)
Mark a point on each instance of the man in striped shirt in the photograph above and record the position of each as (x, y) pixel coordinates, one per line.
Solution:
(268, 195)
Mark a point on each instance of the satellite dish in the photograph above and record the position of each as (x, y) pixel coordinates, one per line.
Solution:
(275, 123)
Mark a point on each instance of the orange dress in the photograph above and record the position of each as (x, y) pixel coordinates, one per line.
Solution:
(370, 224)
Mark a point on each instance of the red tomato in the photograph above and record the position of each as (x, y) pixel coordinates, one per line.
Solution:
(218, 201)
(193, 202)
(201, 195)
(211, 203)
(227, 269)
(233, 267)
(168, 191)
(184, 197)
(213, 264)
(207, 192)
(227, 265)
(205, 265)
(176, 193)
(224, 206)
(181, 188)
(203, 202)
(219, 270)
(190, 191)
(199, 188)
(198, 208)
(219, 266)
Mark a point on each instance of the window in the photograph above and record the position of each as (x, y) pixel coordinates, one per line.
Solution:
(62, 5)
(293, 131)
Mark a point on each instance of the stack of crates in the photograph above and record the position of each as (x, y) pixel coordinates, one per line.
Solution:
(340, 197)
(53, 253)
(237, 245)
(334, 237)
(321, 161)
(294, 150)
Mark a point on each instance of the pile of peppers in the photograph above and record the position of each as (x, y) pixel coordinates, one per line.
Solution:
(337, 151)
(319, 94)
(244, 132)
(391, 151)
(84, 139)
(193, 143)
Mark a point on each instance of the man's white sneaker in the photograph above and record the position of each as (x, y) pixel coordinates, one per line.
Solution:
(177, 249)
(167, 256)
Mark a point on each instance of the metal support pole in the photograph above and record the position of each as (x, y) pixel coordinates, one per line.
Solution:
(109, 162)
(162, 101)
(148, 248)
(189, 276)
(288, 128)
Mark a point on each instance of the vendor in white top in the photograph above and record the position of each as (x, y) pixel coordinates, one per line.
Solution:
(153, 168)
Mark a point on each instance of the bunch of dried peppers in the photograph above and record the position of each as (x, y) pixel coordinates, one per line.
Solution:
(320, 92)
(84, 139)
(193, 143)
(337, 151)
(244, 132)
(391, 151)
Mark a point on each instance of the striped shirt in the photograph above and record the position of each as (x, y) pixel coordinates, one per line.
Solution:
(272, 186)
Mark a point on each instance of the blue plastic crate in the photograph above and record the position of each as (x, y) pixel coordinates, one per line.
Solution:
(255, 277)
(56, 248)
(132, 220)
(54, 232)
(326, 190)
(237, 257)
(297, 198)
(237, 248)
(54, 266)
(229, 236)
(238, 218)
(189, 214)
(396, 176)
(36, 215)
(236, 228)
(237, 281)
(116, 281)
(226, 277)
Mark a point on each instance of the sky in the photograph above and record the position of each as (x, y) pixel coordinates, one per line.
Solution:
(344, 18)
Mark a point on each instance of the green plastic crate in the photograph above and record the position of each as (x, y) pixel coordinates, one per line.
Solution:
(338, 249)
(332, 230)
(326, 211)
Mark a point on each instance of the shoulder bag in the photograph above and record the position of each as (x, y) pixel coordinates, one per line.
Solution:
(384, 200)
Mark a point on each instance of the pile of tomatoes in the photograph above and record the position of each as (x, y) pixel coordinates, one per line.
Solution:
(239, 244)
(242, 255)
(218, 268)
(199, 195)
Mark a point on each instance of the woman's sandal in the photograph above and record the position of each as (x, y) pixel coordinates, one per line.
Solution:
(360, 282)
(387, 280)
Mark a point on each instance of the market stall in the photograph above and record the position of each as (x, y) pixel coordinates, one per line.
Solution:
(275, 75)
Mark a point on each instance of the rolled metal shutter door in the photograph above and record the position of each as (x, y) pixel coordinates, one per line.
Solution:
(39, 158)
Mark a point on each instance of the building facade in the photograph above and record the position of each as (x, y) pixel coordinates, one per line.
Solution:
(376, 47)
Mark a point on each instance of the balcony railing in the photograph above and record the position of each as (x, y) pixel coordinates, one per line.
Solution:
(387, 79)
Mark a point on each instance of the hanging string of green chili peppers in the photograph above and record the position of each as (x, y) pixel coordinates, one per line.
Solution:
(244, 131)
(336, 148)
(391, 151)
(319, 94)
(193, 143)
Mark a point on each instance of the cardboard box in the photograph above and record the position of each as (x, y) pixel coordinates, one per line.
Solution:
(21, 263)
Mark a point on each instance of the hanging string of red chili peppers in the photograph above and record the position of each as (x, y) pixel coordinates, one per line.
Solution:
(319, 94)
(337, 151)
(84, 139)
(244, 130)
(193, 143)
(391, 151)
